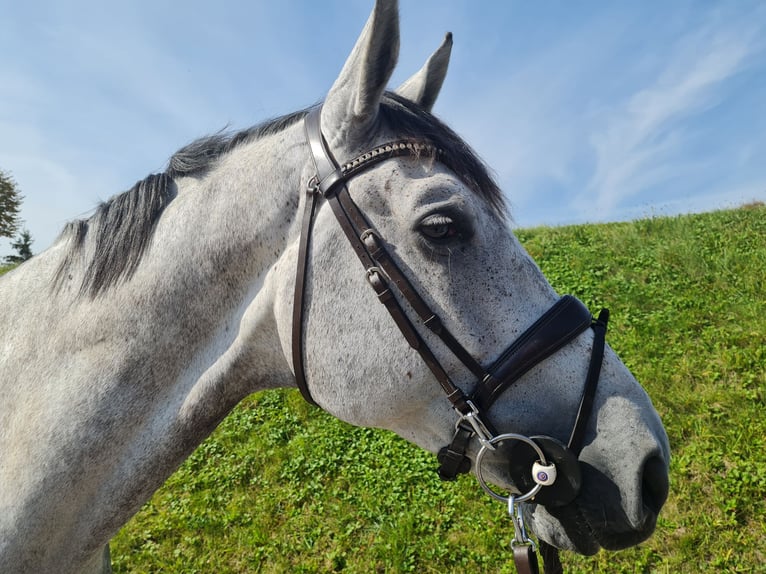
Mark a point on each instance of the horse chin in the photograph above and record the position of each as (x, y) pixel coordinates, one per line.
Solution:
(572, 533)
(578, 529)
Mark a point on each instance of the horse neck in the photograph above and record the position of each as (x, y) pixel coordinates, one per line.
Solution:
(208, 278)
(134, 378)
(219, 278)
(209, 281)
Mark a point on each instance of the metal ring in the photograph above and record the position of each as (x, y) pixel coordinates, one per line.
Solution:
(483, 483)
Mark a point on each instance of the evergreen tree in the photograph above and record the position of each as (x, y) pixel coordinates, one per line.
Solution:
(10, 203)
(23, 246)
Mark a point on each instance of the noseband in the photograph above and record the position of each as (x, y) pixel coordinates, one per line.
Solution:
(542, 468)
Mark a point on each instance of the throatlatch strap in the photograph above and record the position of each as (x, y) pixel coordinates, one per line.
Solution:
(298, 297)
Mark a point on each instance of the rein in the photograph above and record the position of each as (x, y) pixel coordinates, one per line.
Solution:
(547, 469)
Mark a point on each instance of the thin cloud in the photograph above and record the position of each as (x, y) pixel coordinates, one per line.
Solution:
(642, 140)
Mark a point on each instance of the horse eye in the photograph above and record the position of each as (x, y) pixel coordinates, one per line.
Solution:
(438, 227)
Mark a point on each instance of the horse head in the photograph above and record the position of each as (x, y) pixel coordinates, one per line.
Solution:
(432, 232)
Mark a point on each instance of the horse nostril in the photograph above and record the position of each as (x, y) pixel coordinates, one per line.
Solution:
(655, 485)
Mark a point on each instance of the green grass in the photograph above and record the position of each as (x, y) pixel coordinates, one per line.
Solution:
(283, 487)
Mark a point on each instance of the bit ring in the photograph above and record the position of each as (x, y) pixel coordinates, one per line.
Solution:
(497, 439)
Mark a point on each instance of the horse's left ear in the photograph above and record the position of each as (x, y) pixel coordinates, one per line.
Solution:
(351, 108)
(423, 88)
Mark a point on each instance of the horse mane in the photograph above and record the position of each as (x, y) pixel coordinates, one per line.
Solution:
(121, 228)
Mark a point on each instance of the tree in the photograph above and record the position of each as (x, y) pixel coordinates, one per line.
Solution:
(10, 203)
(23, 246)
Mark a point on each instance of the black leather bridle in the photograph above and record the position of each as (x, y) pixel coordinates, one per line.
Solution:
(560, 325)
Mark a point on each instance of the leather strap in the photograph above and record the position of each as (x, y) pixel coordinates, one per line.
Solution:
(452, 458)
(381, 286)
(577, 438)
(298, 296)
(430, 319)
(550, 555)
(556, 328)
(525, 559)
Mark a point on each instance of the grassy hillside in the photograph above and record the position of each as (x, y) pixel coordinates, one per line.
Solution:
(282, 487)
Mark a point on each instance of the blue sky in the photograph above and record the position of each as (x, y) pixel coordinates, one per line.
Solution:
(586, 111)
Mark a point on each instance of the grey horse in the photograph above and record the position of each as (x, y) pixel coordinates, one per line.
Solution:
(124, 344)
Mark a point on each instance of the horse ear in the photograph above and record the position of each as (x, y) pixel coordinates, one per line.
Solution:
(423, 88)
(351, 108)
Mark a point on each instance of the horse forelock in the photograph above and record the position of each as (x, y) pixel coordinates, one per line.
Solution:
(119, 231)
(410, 121)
